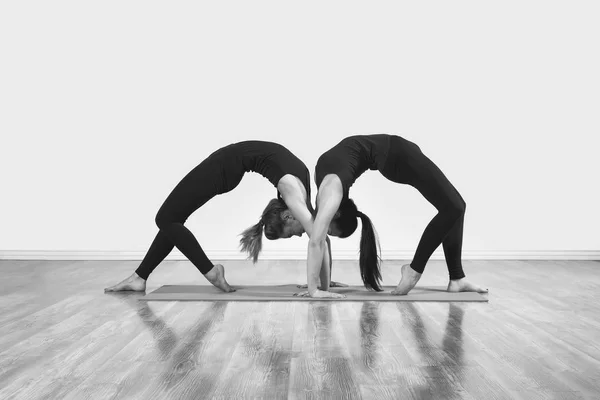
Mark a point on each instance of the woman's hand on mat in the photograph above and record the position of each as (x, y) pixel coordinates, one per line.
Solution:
(337, 284)
(321, 294)
(331, 284)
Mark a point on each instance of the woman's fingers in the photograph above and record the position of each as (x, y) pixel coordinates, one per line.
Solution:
(328, 295)
(335, 295)
(321, 294)
(337, 284)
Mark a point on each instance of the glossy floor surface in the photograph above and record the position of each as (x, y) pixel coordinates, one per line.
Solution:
(62, 337)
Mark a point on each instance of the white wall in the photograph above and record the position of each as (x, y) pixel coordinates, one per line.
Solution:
(106, 105)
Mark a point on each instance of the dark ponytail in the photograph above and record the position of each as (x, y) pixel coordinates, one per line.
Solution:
(346, 222)
(273, 224)
(369, 256)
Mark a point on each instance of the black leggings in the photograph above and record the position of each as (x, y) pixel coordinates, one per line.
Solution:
(407, 164)
(195, 189)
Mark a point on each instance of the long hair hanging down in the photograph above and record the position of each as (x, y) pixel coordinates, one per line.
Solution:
(369, 254)
(271, 221)
(369, 259)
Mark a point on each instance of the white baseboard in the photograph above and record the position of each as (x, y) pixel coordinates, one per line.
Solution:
(95, 255)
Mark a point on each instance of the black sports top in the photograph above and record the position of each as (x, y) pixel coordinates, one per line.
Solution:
(351, 157)
(271, 160)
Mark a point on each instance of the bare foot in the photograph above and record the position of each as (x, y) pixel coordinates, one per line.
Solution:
(216, 276)
(462, 285)
(410, 277)
(132, 284)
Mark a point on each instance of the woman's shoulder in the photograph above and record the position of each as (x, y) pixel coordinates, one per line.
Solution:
(331, 182)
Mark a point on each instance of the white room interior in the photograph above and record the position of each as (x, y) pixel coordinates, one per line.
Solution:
(105, 112)
(105, 106)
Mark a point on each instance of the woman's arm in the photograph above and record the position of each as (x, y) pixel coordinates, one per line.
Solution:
(328, 202)
(326, 266)
(325, 273)
(294, 195)
(330, 267)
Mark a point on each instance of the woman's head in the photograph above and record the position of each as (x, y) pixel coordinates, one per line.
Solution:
(344, 224)
(345, 221)
(277, 222)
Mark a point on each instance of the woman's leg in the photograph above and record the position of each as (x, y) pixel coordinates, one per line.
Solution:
(452, 245)
(448, 224)
(158, 251)
(189, 195)
(411, 166)
(408, 165)
(181, 237)
(436, 188)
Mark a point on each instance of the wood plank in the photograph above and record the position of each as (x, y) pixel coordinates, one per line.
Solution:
(57, 376)
(187, 367)
(321, 365)
(260, 363)
(62, 337)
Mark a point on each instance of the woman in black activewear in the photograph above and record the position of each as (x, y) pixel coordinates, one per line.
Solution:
(286, 216)
(400, 161)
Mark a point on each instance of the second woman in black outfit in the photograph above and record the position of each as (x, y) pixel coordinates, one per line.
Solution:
(400, 161)
(286, 216)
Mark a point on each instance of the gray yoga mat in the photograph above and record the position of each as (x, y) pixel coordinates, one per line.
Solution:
(285, 293)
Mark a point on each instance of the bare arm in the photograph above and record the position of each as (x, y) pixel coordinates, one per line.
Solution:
(328, 202)
(294, 195)
(325, 273)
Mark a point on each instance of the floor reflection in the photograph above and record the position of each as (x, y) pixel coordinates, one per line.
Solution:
(165, 338)
(369, 323)
(430, 368)
(441, 369)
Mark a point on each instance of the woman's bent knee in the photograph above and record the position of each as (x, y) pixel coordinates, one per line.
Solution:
(163, 220)
(456, 209)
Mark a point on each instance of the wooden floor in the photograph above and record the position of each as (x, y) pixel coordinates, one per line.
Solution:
(61, 337)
